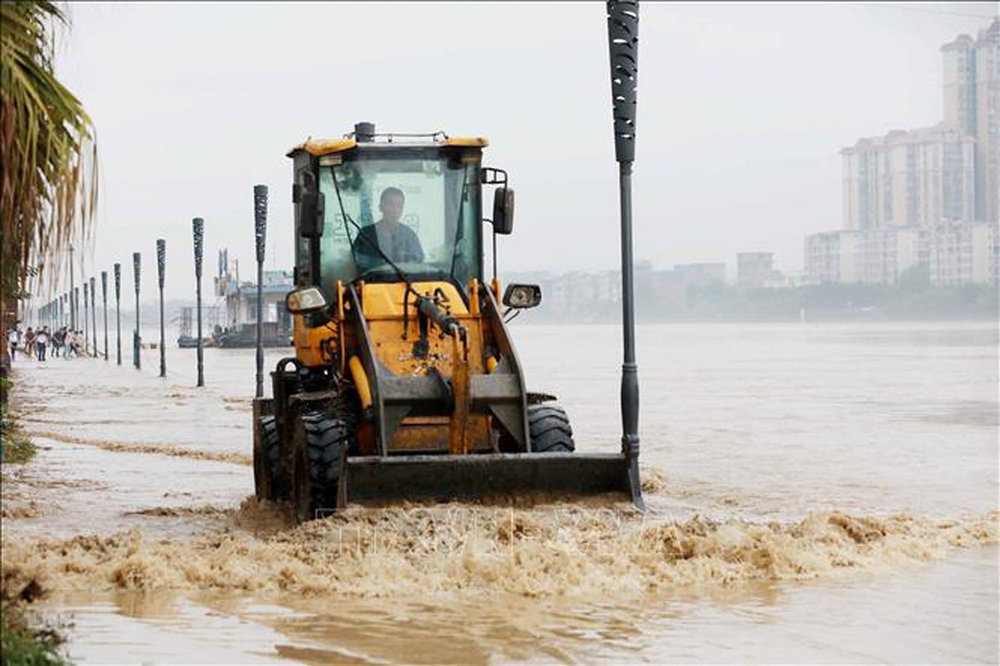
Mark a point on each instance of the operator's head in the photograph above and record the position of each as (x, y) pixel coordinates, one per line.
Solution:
(390, 204)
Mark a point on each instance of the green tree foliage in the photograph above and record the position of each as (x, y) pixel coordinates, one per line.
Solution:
(915, 279)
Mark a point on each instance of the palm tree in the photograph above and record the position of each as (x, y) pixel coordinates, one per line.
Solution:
(48, 184)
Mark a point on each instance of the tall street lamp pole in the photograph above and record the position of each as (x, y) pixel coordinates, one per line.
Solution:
(93, 314)
(161, 260)
(136, 337)
(104, 298)
(118, 311)
(72, 290)
(198, 229)
(260, 229)
(83, 324)
(623, 45)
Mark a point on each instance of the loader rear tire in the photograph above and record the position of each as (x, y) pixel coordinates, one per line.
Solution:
(269, 477)
(549, 428)
(320, 445)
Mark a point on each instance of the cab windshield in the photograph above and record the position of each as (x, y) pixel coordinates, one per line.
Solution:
(421, 213)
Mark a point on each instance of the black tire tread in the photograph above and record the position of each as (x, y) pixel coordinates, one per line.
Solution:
(325, 440)
(549, 428)
(270, 445)
(347, 408)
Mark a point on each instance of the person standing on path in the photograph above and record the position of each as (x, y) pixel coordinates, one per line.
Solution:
(29, 342)
(69, 342)
(13, 339)
(78, 345)
(57, 342)
(41, 340)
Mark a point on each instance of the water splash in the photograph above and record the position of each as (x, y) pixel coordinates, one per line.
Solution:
(545, 551)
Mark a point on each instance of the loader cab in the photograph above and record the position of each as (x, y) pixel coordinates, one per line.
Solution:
(341, 211)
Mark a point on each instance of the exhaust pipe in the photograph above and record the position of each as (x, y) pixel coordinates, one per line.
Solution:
(364, 132)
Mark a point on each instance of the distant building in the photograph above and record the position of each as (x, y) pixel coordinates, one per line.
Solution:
(956, 252)
(832, 257)
(971, 99)
(596, 295)
(909, 179)
(577, 293)
(948, 172)
(754, 269)
(241, 296)
(870, 256)
(925, 196)
(795, 279)
(701, 274)
(241, 301)
(884, 254)
(963, 253)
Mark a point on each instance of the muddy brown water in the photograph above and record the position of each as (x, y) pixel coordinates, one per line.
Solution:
(817, 493)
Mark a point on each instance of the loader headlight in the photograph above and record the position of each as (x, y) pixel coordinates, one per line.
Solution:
(522, 296)
(302, 301)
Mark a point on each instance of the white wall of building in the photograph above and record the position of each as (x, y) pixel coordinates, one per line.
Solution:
(964, 253)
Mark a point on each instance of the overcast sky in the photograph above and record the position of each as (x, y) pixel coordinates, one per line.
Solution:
(742, 110)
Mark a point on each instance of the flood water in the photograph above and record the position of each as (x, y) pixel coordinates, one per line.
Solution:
(818, 493)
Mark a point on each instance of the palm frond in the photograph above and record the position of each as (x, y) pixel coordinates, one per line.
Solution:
(48, 187)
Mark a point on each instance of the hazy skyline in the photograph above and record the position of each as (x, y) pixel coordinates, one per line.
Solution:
(742, 110)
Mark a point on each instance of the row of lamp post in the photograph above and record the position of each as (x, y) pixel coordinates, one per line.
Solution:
(63, 310)
(54, 312)
(68, 303)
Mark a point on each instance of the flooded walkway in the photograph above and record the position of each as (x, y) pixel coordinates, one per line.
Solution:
(136, 520)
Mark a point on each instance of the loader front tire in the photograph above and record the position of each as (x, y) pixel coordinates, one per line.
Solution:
(320, 445)
(549, 429)
(269, 478)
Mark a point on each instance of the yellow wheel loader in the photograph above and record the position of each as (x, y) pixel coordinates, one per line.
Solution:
(405, 382)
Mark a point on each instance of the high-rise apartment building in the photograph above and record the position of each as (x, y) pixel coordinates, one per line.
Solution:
(959, 84)
(971, 100)
(988, 122)
(909, 179)
(944, 173)
(929, 195)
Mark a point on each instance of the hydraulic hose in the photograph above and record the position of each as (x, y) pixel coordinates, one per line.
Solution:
(444, 321)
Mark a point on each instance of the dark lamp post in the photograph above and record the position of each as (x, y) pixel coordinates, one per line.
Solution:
(198, 229)
(161, 270)
(260, 231)
(623, 45)
(136, 335)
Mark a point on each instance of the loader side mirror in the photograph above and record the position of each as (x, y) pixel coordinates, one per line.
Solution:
(503, 210)
(311, 205)
(311, 210)
(304, 301)
(522, 296)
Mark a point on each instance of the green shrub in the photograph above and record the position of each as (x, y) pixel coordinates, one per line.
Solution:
(24, 645)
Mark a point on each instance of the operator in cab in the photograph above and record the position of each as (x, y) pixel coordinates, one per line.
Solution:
(396, 240)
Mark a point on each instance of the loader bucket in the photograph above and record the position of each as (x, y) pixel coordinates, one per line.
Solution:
(447, 477)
